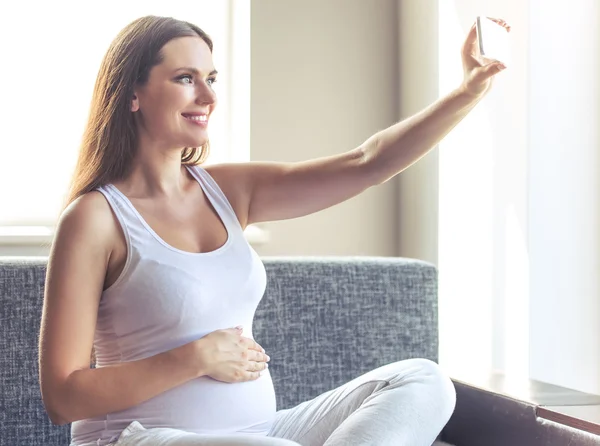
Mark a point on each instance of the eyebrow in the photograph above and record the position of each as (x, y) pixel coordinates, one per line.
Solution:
(195, 71)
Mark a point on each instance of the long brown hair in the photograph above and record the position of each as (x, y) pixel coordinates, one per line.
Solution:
(110, 138)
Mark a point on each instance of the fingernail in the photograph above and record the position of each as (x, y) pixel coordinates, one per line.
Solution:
(267, 366)
(268, 358)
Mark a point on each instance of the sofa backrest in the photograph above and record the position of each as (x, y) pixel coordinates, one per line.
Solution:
(324, 321)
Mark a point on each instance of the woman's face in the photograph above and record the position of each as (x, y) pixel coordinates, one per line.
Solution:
(172, 109)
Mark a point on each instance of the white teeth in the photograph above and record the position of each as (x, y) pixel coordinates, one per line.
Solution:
(202, 118)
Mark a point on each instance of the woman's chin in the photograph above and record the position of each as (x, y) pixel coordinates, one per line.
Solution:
(196, 142)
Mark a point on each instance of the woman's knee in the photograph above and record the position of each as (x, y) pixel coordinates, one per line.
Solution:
(439, 382)
(430, 374)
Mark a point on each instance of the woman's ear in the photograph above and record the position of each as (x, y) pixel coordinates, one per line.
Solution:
(135, 104)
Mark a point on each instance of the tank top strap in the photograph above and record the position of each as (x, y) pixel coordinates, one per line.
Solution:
(133, 229)
(120, 208)
(216, 196)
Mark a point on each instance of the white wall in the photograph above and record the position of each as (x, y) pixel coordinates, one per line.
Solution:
(418, 32)
(324, 79)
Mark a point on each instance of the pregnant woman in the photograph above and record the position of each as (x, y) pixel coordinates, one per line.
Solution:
(150, 271)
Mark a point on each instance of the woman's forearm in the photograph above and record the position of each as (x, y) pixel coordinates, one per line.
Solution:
(89, 393)
(390, 151)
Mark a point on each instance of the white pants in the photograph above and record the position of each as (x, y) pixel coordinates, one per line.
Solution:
(403, 403)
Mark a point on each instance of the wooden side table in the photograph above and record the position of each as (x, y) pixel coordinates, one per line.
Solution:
(496, 411)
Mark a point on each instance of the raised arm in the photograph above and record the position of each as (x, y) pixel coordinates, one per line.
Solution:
(268, 191)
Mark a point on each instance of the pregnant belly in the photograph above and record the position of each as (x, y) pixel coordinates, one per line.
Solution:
(204, 405)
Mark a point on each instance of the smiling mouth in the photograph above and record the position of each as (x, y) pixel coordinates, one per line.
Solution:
(196, 118)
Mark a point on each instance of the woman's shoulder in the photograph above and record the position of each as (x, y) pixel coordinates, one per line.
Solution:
(91, 208)
(89, 219)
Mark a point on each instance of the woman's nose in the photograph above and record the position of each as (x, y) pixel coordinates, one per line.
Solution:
(206, 95)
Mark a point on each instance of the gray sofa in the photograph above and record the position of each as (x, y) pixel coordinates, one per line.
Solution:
(323, 321)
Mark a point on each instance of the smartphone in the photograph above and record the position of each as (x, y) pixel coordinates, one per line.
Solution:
(493, 40)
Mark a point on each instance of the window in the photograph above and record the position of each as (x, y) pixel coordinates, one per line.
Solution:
(51, 56)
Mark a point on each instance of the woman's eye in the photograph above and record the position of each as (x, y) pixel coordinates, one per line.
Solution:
(187, 79)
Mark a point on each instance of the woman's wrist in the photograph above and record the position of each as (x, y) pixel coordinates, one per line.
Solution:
(186, 357)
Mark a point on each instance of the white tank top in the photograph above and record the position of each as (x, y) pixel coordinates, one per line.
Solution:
(166, 297)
